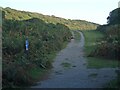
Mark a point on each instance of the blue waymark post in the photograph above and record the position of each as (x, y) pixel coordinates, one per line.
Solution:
(26, 46)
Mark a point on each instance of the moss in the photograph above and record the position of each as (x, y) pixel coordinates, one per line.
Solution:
(66, 65)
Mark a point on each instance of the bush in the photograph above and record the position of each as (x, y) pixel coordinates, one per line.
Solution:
(109, 48)
(43, 38)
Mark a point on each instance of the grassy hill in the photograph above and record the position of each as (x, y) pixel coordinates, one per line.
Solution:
(72, 24)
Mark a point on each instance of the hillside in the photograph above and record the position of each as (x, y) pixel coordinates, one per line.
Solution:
(72, 24)
(22, 66)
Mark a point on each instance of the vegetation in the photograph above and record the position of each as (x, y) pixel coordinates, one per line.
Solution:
(0, 17)
(102, 47)
(45, 39)
(114, 83)
(76, 36)
(109, 47)
(13, 14)
(92, 40)
(101, 63)
(114, 17)
(112, 32)
(48, 35)
(106, 46)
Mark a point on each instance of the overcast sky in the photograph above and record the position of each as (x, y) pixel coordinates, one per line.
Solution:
(91, 10)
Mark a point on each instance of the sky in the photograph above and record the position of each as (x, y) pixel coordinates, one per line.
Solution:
(91, 10)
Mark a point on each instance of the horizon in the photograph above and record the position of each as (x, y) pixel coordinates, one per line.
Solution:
(71, 9)
(49, 15)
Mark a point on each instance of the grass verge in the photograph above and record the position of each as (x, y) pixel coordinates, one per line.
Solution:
(77, 36)
(91, 39)
(101, 63)
(38, 73)
(113, 84)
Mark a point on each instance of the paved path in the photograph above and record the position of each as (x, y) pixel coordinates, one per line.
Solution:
(70, 70)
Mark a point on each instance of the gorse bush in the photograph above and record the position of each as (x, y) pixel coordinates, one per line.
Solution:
(44, 39)
(72, 24)
(109, 47)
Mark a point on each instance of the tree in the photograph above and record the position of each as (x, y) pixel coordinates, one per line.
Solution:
(114, 17)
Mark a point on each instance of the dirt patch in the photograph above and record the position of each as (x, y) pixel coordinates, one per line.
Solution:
(93, 75)
(66, 64)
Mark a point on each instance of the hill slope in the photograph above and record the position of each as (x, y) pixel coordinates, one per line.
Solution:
(21, 66)
(72, 24)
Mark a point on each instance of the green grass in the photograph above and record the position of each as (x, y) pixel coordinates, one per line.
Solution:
(64, 45)
(91, 39)
(77, 36)
(113, 84)
(101, 63)
(52, 55)
(37, 73)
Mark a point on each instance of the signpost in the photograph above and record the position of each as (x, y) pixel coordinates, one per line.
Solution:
(26, 46)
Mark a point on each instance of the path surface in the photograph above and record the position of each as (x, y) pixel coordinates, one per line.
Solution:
(70, 70)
